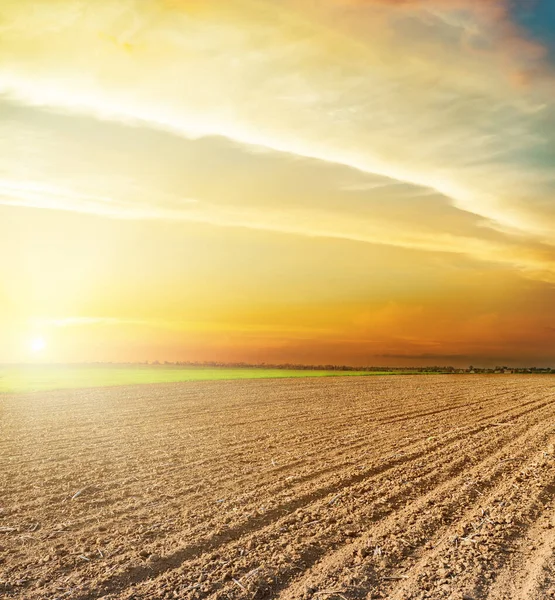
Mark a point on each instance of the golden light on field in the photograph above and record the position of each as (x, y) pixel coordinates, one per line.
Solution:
(366, 182)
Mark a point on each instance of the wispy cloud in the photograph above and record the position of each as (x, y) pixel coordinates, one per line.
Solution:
(425, 100)
(79, 321)
(57, 197)
(188, 326)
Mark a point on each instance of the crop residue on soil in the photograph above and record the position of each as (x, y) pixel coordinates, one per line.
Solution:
(347, 488)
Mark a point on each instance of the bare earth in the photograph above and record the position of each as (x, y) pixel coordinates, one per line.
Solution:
(392, 487)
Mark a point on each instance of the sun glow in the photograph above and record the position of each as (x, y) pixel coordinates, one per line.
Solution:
(37, 345)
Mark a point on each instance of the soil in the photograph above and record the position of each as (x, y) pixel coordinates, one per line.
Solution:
(402, 487)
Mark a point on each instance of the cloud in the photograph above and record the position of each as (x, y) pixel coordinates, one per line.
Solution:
(217, 327)
(56, 197)
(476, 20)
(428, 356)
(78, 321)
(310, 223)
(418, 102)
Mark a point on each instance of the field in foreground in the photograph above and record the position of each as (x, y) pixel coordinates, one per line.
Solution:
(343, 488)
(15, 379)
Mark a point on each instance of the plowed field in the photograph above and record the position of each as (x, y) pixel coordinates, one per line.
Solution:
(344, 488)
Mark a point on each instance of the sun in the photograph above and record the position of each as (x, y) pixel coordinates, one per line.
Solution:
(37, 344)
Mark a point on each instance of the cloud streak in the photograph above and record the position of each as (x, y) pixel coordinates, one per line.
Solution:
(424, 100)
(532, 261)
(431, 121)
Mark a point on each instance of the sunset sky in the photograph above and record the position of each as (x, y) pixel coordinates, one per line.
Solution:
(366, 182)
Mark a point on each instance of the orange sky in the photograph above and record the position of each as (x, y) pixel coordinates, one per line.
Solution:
(337, 182)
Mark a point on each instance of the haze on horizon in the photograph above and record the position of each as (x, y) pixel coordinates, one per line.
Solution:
(343, 181)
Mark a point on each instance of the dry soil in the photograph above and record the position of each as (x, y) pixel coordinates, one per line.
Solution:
(395, 487)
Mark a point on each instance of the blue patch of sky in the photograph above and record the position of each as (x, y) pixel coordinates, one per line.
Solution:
(537, 17)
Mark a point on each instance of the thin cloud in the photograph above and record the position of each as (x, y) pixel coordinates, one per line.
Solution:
(451, 126)
(427, 356)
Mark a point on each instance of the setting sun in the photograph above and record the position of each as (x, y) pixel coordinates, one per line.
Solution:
(37, 344)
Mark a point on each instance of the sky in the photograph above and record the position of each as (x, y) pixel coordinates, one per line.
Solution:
(363, 182)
